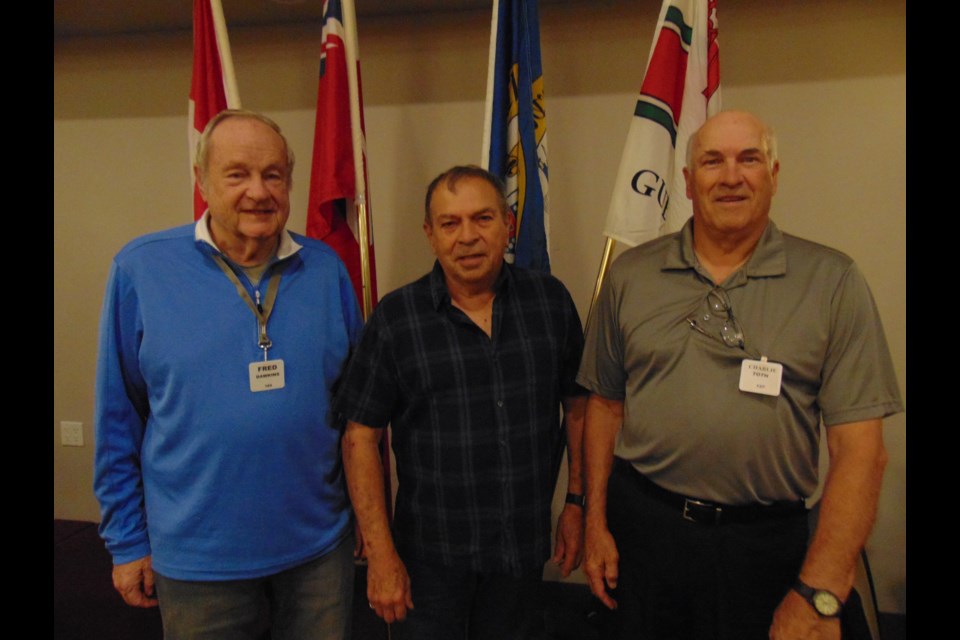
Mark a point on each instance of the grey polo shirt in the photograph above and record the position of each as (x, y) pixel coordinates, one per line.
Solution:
(687, 425)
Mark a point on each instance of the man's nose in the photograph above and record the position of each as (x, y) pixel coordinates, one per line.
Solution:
(468, 232)
(731, 173)
(257, 188)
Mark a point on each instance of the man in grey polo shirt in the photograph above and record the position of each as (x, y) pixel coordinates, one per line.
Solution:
(719, 349)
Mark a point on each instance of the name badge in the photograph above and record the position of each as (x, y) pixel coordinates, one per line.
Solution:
(761, 376)
(266, 375)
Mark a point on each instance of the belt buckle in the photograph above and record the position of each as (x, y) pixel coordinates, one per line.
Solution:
(698, 506)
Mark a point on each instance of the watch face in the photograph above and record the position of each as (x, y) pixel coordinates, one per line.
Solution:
(826, 603)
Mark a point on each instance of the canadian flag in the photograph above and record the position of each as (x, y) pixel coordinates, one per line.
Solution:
(213, 87)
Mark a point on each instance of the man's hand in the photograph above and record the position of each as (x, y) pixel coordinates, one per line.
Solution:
(600, 563)
(134, 581)
(568, 551)
(388, 588)
(388, 585)
(603, 420)
(795, 619)
(847, 510)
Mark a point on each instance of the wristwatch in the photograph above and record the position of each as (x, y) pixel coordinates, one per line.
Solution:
(576, 498)
(825, 603)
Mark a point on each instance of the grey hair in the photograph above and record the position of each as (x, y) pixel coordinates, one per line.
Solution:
(203, 145)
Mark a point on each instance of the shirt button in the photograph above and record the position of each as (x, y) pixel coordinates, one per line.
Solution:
(499, 403)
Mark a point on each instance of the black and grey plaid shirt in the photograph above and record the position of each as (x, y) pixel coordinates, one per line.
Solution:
(476, 419)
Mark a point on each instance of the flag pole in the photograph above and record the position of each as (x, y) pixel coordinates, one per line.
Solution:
(226, 59)
(488, 100)
(359, 166)
(601, 275)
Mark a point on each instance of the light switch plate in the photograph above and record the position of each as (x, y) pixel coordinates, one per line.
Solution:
(71, 434)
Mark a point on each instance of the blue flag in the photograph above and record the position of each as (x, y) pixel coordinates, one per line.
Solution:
(515, 128)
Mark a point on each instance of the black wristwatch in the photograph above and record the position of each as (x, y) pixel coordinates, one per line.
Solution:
(825, 603)
(576, 498)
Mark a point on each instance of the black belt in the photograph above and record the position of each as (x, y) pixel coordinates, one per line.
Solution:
(709, 513)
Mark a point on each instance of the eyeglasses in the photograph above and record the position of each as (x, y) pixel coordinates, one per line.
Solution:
(718, 304)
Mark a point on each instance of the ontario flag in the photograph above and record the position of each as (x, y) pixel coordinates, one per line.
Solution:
(680, 90)
(331, 214)
(515, 128)
(212, 81)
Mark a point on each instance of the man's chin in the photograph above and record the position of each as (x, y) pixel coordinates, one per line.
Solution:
(472, 263)
(263, 230)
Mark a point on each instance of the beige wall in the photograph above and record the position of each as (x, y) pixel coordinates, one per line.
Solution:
(830, 75)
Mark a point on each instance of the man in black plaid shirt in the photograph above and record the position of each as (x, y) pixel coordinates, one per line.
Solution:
(470, 364)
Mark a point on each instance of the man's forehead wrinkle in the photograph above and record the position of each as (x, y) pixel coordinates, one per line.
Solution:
(739, 152)
(237, 163)
(457, 214)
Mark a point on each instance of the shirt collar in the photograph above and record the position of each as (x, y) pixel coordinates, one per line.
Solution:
(441, 295)
(769, 258)
(201, 233)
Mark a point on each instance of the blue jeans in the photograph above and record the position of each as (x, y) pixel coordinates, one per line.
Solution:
(312, 600)
(455, 604)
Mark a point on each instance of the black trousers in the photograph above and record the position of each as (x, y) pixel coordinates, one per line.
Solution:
(682, 580)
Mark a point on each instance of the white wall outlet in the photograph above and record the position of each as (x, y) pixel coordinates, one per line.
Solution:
(71, 434)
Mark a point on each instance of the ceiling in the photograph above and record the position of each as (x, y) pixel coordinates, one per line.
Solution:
(82, 18)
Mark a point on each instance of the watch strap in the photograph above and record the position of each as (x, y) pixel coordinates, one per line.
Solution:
(576, 498)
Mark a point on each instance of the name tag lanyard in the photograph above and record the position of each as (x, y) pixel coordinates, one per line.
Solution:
(262, 312)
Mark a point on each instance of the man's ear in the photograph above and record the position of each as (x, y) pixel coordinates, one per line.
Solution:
(688, 180)
(200, 186)
(428, 231)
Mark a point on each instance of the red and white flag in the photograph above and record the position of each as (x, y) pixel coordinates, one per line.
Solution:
(335, 184)
(213, 87)
(331, 211)
(680, 90)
